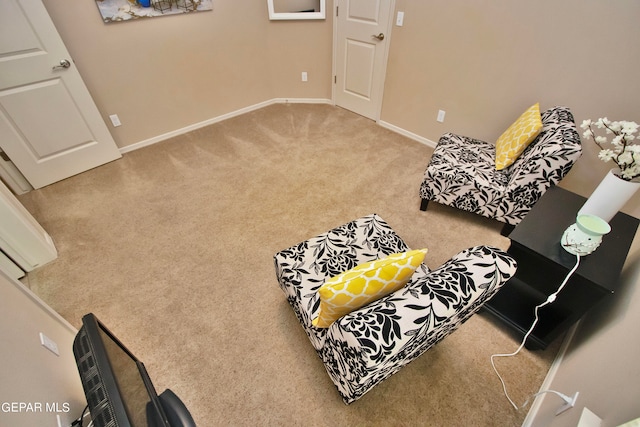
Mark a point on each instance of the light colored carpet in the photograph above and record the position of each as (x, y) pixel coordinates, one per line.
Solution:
(172, 245)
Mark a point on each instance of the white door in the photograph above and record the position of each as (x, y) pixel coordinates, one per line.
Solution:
(49, 125)
(361, 46)
(22, 239)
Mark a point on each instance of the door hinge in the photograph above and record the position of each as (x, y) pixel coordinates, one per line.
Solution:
(335, 79)
(337, 7)
(4, 156)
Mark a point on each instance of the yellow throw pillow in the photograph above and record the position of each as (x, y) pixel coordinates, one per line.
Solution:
(365, 283)
(519, 135)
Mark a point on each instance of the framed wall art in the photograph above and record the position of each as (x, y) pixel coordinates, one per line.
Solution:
(126, 10)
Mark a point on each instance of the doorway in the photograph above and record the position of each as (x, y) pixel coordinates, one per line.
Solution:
(362, 32)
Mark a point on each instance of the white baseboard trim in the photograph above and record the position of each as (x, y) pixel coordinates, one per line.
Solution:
(406, 133)
(177, 132)
(546, 384)
(301, 101)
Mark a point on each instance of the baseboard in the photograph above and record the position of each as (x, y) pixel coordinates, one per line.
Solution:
(546, 384)
(301, 101)
(406, 133)
(177, 132)
(211, 121)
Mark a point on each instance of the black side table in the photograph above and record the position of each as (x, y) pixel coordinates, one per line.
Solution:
(543, 265)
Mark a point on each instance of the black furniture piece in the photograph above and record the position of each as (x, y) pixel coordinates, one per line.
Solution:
(543, 265)
(117, 386)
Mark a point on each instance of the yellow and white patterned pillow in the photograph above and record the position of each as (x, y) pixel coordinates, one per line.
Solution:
(519, 135)
(365, 283)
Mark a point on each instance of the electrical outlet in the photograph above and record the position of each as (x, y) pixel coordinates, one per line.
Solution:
(400, 19)
(115, 120)
(440, 116)
(49, 344)
(304, 76)
(568, 404)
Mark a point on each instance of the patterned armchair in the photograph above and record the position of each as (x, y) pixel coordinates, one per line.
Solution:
(462, 171)
(368, 345)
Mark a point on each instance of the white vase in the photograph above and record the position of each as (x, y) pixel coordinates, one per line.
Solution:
(610, 196)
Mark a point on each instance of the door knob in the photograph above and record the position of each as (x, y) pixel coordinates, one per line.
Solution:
(379, 36)
(64, 63)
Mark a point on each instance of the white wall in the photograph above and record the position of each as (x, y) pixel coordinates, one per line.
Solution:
(29, 373)
(603, 359)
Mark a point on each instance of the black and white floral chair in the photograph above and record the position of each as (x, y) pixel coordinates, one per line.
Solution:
(368, 345)
(462, 171)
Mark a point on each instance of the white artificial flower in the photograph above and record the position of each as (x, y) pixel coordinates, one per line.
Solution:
(625, 158)
(606, 155)
(629, 127)
(617, 140)
(601, 139)
(622, 151)
(615, 126)
(630, 173)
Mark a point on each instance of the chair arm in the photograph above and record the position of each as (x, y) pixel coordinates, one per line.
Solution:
(370, 344)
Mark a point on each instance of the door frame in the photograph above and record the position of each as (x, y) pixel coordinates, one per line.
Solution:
(22, 238)
(334, 71)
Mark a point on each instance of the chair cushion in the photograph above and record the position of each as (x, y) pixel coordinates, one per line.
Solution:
(518, 136)
(462, 174)
(365, 283)
(467, 161)
(303, 268)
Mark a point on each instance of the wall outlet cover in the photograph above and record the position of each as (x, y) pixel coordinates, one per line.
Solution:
(115, 120)
(49, 344)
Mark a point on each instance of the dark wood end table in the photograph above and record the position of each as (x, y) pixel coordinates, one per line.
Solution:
(543, 265)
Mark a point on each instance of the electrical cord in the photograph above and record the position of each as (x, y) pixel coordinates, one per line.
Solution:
(80, 421)
(549, 300)
(563, 396)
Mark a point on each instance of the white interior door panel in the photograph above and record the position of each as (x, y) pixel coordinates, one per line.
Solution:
(49, 125)
(362, 37)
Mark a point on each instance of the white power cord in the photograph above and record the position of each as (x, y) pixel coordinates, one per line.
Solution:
(80, 421)
(550, 299)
